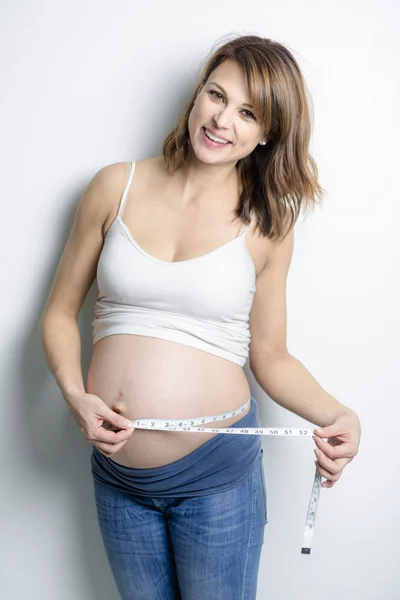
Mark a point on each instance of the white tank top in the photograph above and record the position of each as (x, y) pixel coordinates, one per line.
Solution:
(202, 302)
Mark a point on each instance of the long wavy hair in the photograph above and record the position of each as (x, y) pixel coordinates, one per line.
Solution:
(278, 179)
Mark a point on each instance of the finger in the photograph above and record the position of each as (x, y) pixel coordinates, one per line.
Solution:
(109, 450)
(330, 431)
(337, 465)
(115, 419)
(344, 450)
(329, 476)
(331, 466)
(328, 484)
(111, 437)
(110, 427)
(320, 472)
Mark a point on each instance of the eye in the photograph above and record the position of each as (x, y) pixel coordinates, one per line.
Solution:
(249, 113)
(214, 92)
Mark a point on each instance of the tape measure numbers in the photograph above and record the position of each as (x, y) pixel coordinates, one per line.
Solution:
(191, 425)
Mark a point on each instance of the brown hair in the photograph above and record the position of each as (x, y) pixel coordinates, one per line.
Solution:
(280, 178)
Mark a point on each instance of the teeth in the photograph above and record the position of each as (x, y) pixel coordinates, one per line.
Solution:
(215, 139)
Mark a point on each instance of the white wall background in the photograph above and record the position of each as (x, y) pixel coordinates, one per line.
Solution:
(88, 83)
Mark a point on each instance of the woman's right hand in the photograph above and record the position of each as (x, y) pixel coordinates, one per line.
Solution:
(101, 426)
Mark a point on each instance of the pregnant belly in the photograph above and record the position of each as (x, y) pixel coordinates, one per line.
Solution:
(145, 377)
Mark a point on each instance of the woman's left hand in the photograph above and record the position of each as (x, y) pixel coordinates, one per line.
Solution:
(343, 440)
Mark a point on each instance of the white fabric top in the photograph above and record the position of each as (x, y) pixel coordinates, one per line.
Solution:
(202, 302)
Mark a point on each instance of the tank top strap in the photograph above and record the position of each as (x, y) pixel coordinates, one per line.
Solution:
(126, 189)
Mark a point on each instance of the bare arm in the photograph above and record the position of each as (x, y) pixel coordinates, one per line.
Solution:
(62, 347)
(282, 376)
(75, 274)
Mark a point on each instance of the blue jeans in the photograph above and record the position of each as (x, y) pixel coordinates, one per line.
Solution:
(185, 548)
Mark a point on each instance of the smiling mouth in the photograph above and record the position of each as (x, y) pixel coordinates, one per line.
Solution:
(207, 134)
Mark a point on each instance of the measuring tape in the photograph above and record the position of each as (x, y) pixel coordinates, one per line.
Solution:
(189, 424)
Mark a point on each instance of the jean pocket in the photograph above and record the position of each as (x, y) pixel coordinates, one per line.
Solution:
(263, 486)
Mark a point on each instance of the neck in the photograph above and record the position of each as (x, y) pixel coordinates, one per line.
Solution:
(199, 182)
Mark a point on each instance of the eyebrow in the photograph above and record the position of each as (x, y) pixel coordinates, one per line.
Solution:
(221, 88)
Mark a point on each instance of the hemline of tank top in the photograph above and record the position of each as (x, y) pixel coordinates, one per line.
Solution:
(179, 339)
(215, 466)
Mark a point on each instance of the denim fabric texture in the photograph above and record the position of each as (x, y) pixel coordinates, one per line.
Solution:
(195, 548)
(189, 530)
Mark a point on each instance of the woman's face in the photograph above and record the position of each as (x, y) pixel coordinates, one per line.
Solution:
(223, 108)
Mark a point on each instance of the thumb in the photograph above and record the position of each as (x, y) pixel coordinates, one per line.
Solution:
(329, 431)
(117, 420)
(326, 432)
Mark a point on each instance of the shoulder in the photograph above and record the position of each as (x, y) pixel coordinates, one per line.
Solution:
(145, 170)
(103, 192)
(104, 182)
(109, 181)
(109, 178)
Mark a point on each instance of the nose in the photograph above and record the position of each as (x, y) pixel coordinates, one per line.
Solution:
(223, 119)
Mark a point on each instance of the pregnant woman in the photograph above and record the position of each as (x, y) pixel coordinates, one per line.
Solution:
(191, 251)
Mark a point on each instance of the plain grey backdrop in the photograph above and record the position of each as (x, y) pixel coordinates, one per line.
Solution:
(88, 83)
